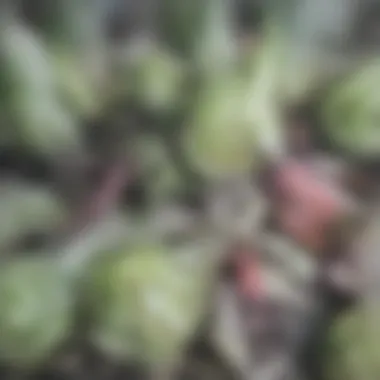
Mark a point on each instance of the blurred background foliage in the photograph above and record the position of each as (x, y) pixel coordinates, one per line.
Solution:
(134, 141)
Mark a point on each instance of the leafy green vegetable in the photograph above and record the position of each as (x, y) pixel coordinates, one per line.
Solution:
(76, 84)
(218, 141)
(146, 302)
(353, 351)
(25, 209)
(159, 79)
(351, 112)
(36, 311)
(44, 124)
(24, 62)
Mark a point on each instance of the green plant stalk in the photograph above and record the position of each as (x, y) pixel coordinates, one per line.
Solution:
(262, 106)
(73, 257)
(74, 24)
(76, 40)
(214, 50)
(178, 22)
(216, 142)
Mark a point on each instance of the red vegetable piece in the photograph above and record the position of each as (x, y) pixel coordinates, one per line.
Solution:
(248, 275)
(308, 204)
